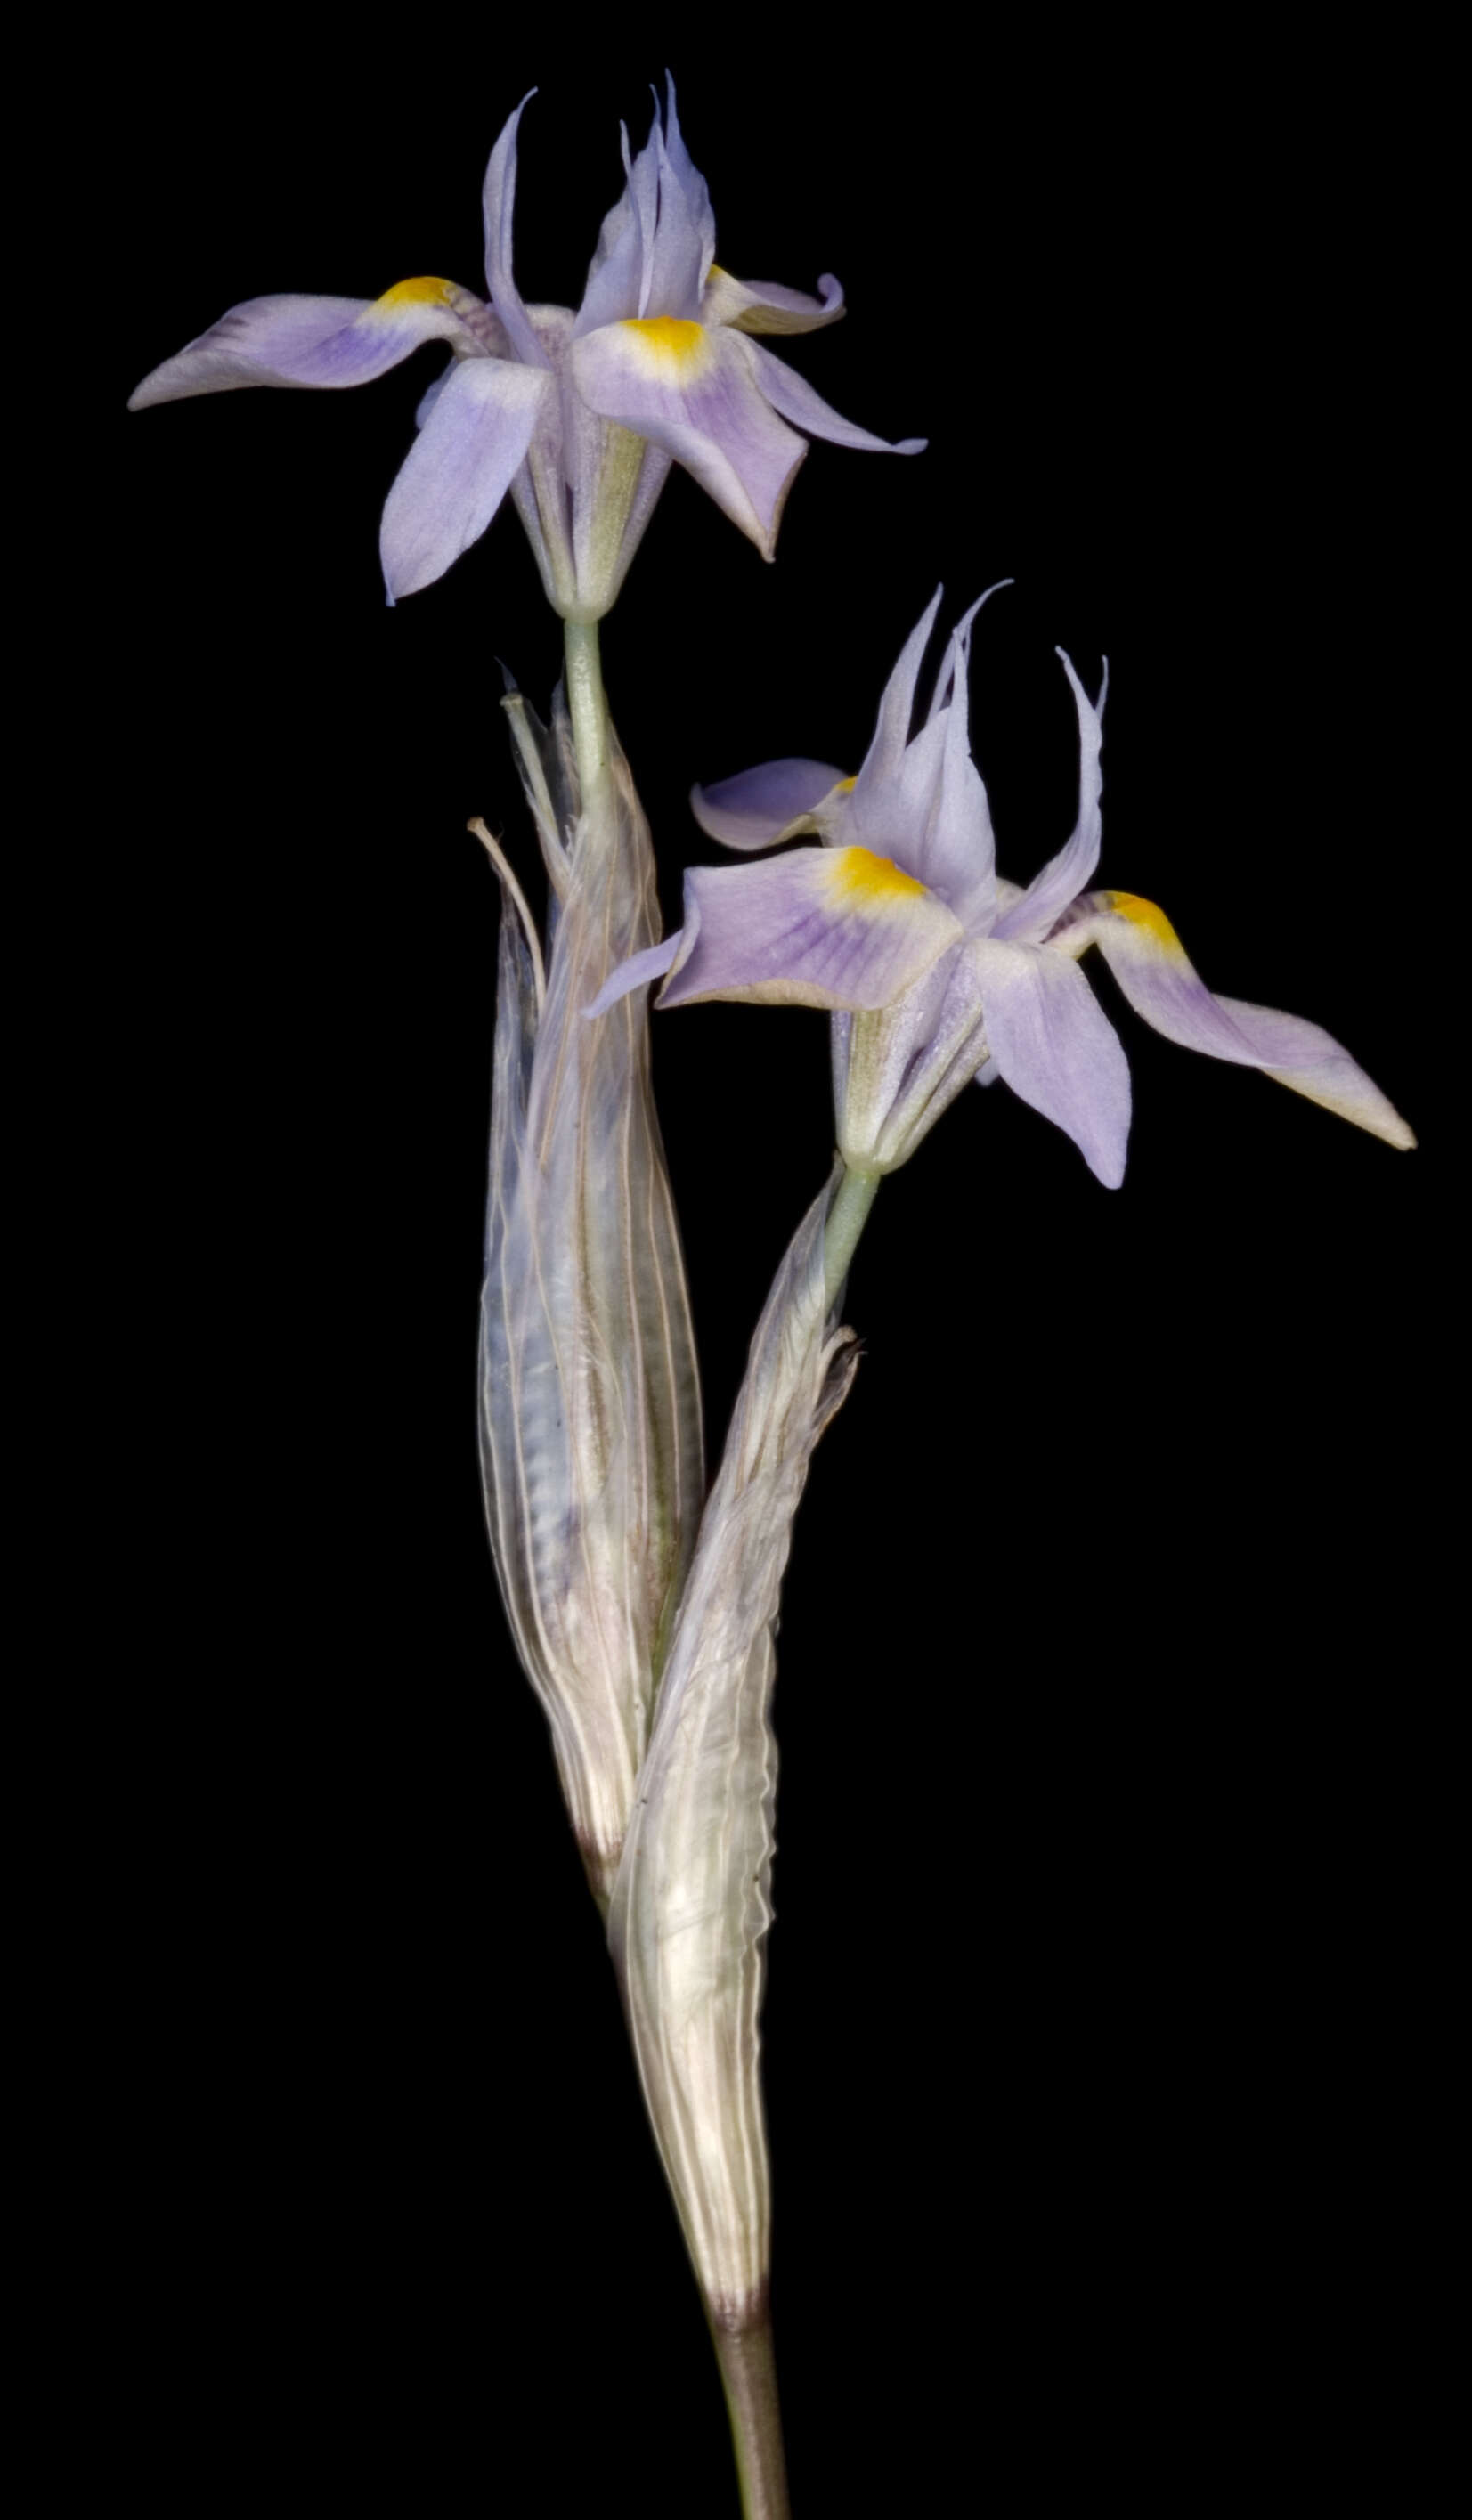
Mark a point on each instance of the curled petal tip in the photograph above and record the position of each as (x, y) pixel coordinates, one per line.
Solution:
(653, 964)
(773, 801)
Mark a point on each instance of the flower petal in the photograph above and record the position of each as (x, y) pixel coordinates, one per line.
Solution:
(1057, 1047)
(431, 396)
(693, 392)
(765, 306)
(897, 707)
(958, 856)
(819, 927)
(958, 851)
(684, 237)
(498, 201)
(612, 289)
(955, 672)
(895, 1072)
(1146, 957)
(686, 180)
(654, 247)
(773, 802)
(308, 342)
(653, 473)
(931, 813)
(893, 815)
(793, 397)
(1049, 893)
(632, 973)
(459, 469)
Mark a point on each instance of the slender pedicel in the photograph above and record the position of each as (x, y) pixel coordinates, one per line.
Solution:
(847, 1219)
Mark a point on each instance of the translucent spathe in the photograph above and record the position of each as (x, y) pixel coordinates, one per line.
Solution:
(590, 1415)
(693, 1901)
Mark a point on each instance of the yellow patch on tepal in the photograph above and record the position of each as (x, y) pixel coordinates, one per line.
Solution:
(861, 880)
(671, 343)
(1144, 914)
(412, 292)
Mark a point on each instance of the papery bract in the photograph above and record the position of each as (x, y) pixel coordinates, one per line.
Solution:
(693, 1901)
(590, 1400)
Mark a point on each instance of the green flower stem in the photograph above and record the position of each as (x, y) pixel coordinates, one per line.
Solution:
(847, 1218)
(748, 2374)
(587, 704)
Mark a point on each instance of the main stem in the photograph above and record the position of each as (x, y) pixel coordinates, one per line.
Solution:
(748, 2374)
(847, 1218)
(587, 706)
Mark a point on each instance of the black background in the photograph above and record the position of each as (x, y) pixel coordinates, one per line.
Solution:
(1095, 2041)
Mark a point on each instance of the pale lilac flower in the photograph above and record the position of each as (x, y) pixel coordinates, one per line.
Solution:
(938, 969)
(579, 416)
